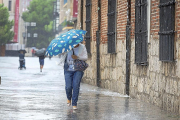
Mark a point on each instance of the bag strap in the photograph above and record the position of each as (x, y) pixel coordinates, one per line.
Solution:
(67, 55)
(73, 51)
(65, 59)
(74, 54)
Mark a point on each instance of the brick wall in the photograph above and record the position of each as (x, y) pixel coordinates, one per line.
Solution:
(112, 72)
(158, 82)
(121, 19)
(104, 21)
(132, 19)
(155, 19)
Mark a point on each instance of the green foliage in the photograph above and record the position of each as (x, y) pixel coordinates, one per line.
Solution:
(64, 23)
(41, 12)
(70, 23)
(67, 23)
(5, 26)
(49, 27)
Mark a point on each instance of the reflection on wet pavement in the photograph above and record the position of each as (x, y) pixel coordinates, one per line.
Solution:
(31, 95)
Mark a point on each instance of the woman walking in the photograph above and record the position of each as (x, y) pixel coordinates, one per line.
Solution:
(73, 77)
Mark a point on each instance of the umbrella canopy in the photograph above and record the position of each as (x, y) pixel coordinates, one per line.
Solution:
(65, 42)
(21, 50)
(40, 52)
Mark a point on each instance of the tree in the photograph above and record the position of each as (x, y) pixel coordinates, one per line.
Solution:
(5, 26)
(41, 12)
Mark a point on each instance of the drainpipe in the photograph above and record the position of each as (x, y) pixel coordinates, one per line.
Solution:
(128, 45)
(98, 34)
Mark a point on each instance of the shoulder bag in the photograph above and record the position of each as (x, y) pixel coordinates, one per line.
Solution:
(80, 65)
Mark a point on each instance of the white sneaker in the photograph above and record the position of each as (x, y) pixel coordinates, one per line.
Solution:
(74, 107)
(68, 102)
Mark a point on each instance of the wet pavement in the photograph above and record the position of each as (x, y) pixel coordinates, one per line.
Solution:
(32, 95)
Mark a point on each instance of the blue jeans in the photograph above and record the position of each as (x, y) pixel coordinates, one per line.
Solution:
(72, 80)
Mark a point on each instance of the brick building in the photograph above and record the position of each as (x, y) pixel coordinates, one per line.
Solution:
(134, 48)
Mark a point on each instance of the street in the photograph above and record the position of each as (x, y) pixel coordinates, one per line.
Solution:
(33, 95)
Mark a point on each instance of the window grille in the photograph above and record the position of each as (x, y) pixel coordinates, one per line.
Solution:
(111, 26)
(141, 32)
(88, 25)
(167, 29)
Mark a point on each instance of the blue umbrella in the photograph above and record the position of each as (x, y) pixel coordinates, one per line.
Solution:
(65, 42)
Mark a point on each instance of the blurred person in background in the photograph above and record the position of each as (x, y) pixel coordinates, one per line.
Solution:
(21, 60)
(33, 52)
(41, 62)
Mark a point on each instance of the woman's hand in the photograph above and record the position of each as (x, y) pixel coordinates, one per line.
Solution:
(74, 57)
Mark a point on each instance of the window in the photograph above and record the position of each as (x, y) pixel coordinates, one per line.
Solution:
(141, 32)
(111, 26)
(88, 25)
(9, 5)
(167, 27)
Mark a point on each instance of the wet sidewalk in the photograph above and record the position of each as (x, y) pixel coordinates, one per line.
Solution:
(32, 95)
